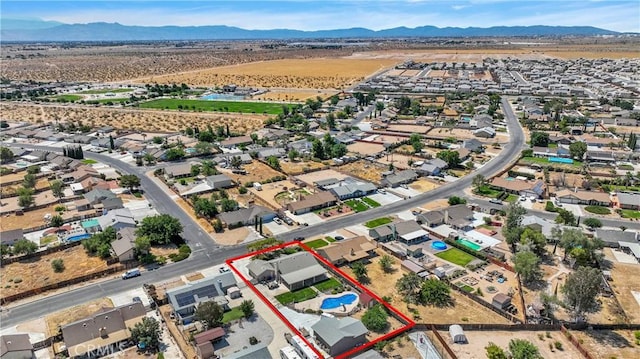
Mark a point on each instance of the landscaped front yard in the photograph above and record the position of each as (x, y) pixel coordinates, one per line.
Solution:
(234, 314)
(370, 202)
(377, 222)
(317, 243)
(456, 256)
(356, 205)
(296, 296)
(629, 213)
(487, 191)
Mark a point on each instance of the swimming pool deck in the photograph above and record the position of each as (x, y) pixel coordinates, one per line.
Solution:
(316, 302)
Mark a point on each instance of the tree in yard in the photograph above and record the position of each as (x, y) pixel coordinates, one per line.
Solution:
(452, 158)
(375, 318)
(29, 181)
(217, 225)
(57, 265)
(580, 291)
(236, 162)
(592, 223)
(435, 292)
(24, 246)
(386, 263)
(495, 352)
(57, 188)
(100, 243)
(112, 144)
(210, 313)
(478, 181)
(523, 349)
(408, 286)
(33, 170)
(195, 170)
(161, 229)
(6, 154)
(204, 207)
(174, 154)
(533, 240)
(334, 100)
(56, 221)
(416, 142)
(5, 250)
(379, 107)
(578, 149)
(527, 265)
(453, 200)
(273, 162)
(360, 271)
(228, 205)
(512, 228)
(318, 149)
(130, 182)
(147, 331)
(25, 197)
(539, 139)
(142, 245)
(331, 121)
(247, 308)
(293, 154)
(566, 217)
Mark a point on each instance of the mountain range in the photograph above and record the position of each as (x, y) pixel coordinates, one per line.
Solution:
(32, 30)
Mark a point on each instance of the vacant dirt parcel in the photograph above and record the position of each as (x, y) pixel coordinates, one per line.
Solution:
(319, 73)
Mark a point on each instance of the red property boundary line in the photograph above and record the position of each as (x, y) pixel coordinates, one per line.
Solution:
(410, 323)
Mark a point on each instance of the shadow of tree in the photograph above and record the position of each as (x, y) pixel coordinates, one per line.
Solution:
(610, 338)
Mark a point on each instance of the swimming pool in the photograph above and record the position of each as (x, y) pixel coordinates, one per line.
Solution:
(221, 96)
(333, 303)
(439, 245)
(469, 244)
(560, 160)
(90, 223)
(190, 150)
(78, 237)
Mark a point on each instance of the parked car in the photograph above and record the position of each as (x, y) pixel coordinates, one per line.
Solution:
(277, 220)
(131, 273)
(339, 238)
(224, 270)
(495, 201)
(299, 238)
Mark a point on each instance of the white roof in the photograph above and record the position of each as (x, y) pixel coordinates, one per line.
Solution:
(76, 186)
(481, 239)
(634, 247)
(443, 230)
(415, 234)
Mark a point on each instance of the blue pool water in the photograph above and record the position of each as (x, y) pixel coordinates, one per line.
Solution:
(222, 96)
(439, 245)
(78, 237)
(333, 303)
(560, 160)
(190, 150)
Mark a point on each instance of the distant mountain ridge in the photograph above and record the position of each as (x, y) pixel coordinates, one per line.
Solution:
(101, 31)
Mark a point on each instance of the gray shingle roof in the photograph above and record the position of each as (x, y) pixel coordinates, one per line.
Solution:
(332, 330)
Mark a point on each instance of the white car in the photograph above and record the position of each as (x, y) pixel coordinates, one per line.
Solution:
(278, 220)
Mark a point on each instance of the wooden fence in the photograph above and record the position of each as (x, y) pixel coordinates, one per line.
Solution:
(487, 305)
(576, 343)
(39, 254)
(65, 283)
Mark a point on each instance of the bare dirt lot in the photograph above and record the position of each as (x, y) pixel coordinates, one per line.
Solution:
(607, 344)
(622, 286)
(365, 148)
(73, 314)
(368, 171)
(256, 172)
(298, 167)
(409, 128)
(424, 185)
(319, 73)
(35, 273)
(311, 178)
(132, 119)
(269, 192)
(293, 95)
(478, 340)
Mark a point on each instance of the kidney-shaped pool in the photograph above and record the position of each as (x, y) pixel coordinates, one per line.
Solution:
(336, 302)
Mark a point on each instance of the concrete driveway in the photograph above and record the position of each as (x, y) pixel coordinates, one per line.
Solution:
(276, 229)
(385, 198)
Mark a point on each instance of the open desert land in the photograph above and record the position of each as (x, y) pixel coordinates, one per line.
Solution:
(624, 288)
(478, 340)
(256, 172)
(299, 167)
(317, 73)
(365, 148)
(409, 129)
(297, 95)
(133, 119)
(37, 272)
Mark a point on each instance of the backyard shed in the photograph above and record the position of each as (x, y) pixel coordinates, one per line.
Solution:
(501, 301)
(457, 334)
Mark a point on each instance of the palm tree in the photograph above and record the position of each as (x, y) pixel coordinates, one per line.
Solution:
(379, 107)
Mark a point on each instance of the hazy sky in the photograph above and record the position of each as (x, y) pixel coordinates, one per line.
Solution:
(316, 15)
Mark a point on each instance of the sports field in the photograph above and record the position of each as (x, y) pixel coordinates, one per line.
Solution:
(219, 106)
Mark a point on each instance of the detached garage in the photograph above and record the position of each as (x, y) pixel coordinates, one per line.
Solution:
(457, 334)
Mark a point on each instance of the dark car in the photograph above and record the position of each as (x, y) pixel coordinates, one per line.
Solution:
(298, 239)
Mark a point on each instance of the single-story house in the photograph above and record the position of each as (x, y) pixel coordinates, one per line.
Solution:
(629, 200)
(432, 167)
(295, 271)
(9, 237)
(117, 218)
(103, 199)
(312, 202)
(600, 157)
(485, 132)
(398, 178)
(184, 300)
(348, 250)
(106, 328)
(82, 205)
(338, 335)
(180, 170)
(79, 175)
(123, 247)
(268, 152)
(236, 141)
(16, 346)
(352, 189)
(407, 232)
(324, 183)
(613, 237)
(520, 187)
(473, 145)
(247, 216)
(590, 198)
(219, 181)
(458, 217)
(204, 342)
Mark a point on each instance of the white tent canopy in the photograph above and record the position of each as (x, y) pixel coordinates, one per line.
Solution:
(457, 334)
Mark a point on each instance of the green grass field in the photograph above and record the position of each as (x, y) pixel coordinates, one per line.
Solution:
(629, 213)
(370, 202)
(102, 91)
(68, 98)
(356, 205)
(296, 296)
(328, 285)
(318, 243)
(511, 198)
(487, 191)
(329, 239)
(377, 222)
(597, 209)
(221, 106)
(456, 256)
(234, 314)
(89, 161)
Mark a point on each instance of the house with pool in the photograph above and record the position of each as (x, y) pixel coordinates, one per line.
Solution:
(295, 271)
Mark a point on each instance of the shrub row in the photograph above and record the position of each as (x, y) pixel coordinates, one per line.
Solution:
(183, 253)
